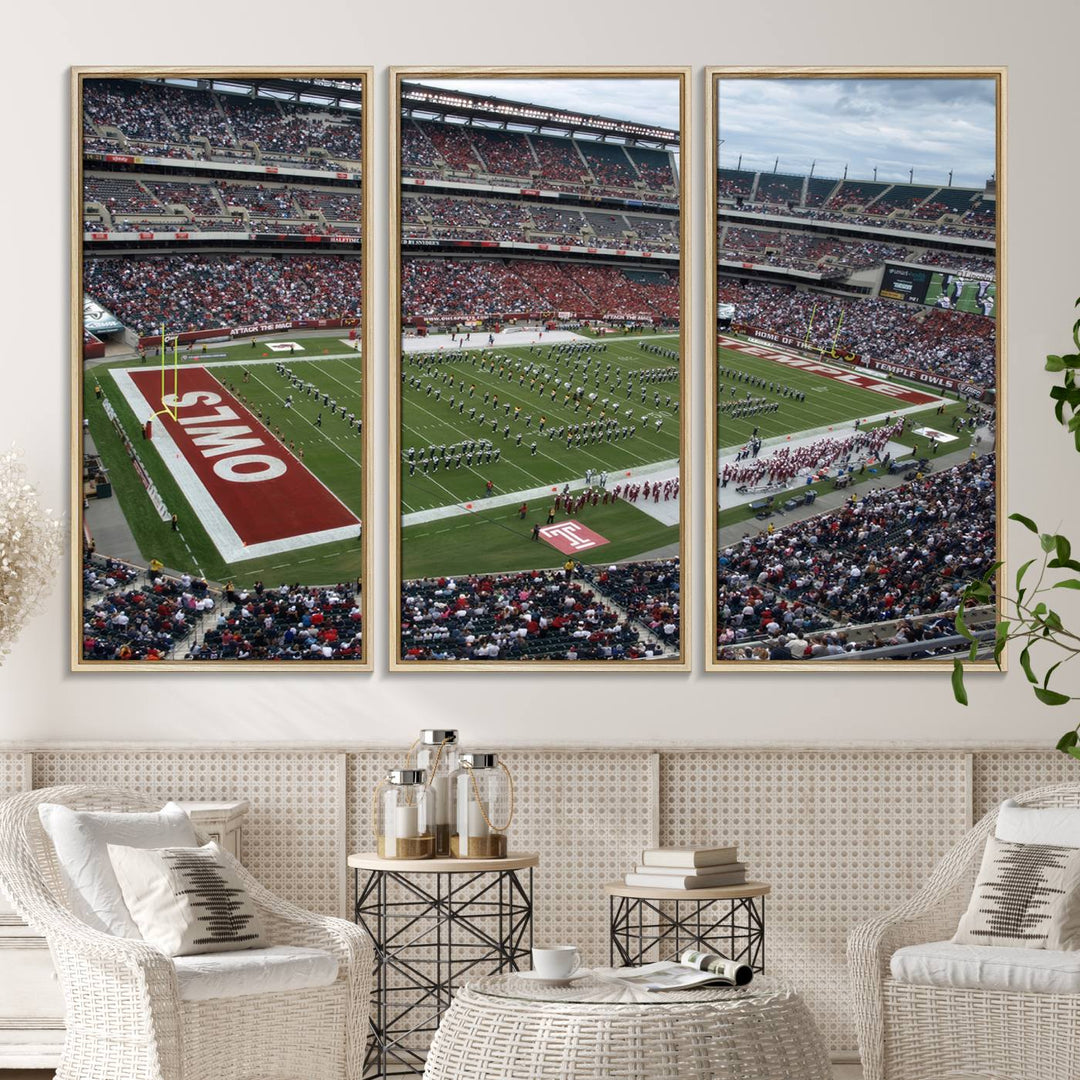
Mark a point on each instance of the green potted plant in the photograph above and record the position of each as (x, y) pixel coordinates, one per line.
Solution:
(1028, 616)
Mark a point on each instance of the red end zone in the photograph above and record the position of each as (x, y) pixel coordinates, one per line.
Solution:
(263, 491)
(570, 537)
(829, 371)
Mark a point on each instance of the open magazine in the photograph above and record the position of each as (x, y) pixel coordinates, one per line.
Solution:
(692, 970)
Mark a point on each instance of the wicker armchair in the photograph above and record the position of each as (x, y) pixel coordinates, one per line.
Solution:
(124, 1016)
(911, 1032)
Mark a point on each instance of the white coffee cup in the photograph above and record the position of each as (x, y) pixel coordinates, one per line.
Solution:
(556, 961)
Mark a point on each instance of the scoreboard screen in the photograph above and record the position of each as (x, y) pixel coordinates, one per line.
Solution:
(905, 283)
(940, 288)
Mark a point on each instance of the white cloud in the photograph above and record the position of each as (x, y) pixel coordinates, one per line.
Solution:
(894, 125)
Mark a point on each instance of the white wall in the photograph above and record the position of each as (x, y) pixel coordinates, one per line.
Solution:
(40, 700)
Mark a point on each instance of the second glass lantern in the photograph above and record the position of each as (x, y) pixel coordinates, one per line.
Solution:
(484, 793)
(437, 754)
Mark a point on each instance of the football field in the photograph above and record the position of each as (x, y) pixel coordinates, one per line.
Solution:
(529, 420)
(305, 526)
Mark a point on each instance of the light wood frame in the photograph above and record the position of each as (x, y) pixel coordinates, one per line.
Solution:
(713, 77)
(365, 76)
(683, 662)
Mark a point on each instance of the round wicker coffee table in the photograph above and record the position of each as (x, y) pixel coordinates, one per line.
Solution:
(504, 1027)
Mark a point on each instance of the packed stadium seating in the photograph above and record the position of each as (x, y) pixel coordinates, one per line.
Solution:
(507, 158)
(196, 292)
(158, 118)
(944, 211)
(951, 343)
(892, 553)
(531, 615)
(648, 591)
(132, 615)
(285, 624)
(458, 288)
(803, 251)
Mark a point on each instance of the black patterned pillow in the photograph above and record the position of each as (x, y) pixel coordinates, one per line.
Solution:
(1026, 895)
(186, 900)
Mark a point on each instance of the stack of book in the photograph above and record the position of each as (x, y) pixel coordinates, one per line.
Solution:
(694, 867)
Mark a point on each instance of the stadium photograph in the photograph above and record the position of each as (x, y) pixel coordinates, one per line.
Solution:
(221, 423)
(538, 391)
(854, 366)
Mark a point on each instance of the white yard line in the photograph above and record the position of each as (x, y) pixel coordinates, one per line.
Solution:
(660, 470)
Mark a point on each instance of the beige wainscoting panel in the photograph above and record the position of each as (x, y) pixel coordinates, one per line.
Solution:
(840, 835)
(999, 775)
(291, 839)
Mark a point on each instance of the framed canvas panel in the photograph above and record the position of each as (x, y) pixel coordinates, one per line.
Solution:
(539, 369)
(220, 350)
(855, 365)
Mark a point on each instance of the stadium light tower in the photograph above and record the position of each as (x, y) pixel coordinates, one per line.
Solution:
(950, 178)
(776, 164)
(875, 172)
(812, 164)
(845, 172)
(911, 175)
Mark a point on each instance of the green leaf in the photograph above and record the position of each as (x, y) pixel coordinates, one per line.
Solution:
(1025, 663)
(1063, 564)
(1070, 738)
(1054, 363)
(1025, 521)
(1064, 548)
(1051, 697)
(961, 625)
(1022, 571)
(973, 652)
(1050, 671)
(958, 682)
(1074, 751)
(1048, 541)
(1068, 583)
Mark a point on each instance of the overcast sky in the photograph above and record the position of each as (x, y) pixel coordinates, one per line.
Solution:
(933, 125)
(644, 101)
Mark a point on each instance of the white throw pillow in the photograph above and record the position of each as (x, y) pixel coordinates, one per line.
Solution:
(80, 839)
(187, 900)
(1025, 896)
(1057, 825)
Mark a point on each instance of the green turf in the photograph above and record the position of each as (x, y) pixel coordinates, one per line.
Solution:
(314, 347)
(332, 453)
(427, 421)
(828, 401)
(499, 540)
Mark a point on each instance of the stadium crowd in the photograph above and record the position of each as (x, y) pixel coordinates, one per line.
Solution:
(950, 343)
(129, 614)
(648, 590)
(895, 553)
(291, 622)
(484, 288)
(530, 615)
(510, 158)
(197, 292)
(160, 115)
(803, 251)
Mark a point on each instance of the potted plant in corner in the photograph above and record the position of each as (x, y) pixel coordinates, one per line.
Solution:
(1028, 615)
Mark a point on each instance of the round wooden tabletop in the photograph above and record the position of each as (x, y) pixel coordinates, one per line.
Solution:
(721, 892)
(516, 860)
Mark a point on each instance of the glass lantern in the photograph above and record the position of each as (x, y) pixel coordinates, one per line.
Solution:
(437, 754)
(405, 816)
(484, 794)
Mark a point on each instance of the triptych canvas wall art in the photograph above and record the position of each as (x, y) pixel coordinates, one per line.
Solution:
(539, 368)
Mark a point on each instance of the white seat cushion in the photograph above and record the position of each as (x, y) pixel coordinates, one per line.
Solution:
(988, 967)
(253, 971)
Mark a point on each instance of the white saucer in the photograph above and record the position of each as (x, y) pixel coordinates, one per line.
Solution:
(536, 977)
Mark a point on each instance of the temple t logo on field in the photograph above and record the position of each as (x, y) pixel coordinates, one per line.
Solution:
(570, 537)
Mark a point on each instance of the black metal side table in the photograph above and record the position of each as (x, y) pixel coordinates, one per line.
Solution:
(433, 922)
(659, 924)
